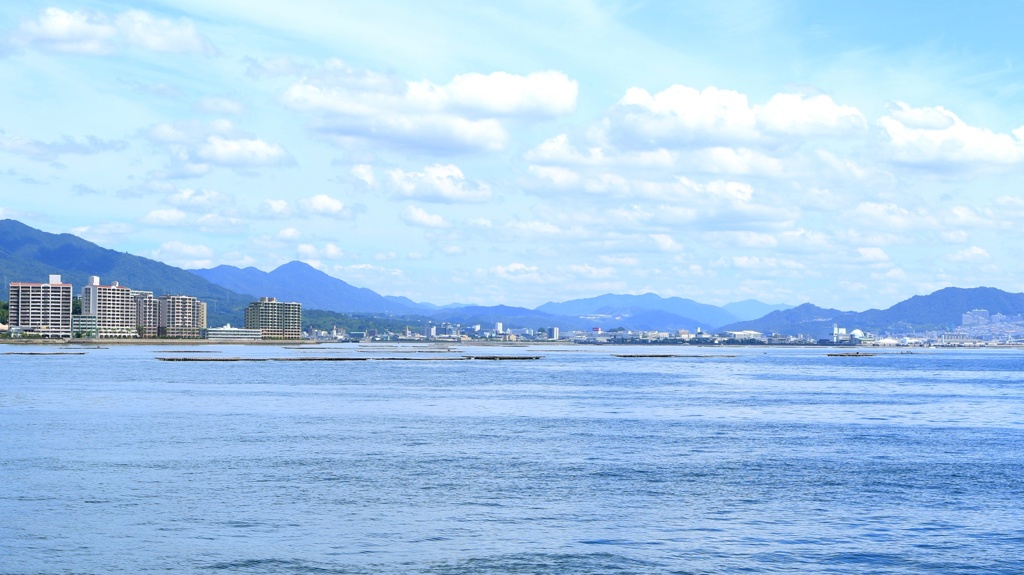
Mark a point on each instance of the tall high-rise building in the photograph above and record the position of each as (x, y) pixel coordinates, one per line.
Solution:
(146, 313)
(181, 316)
(41, 308)
(274, 319)
(113, 307)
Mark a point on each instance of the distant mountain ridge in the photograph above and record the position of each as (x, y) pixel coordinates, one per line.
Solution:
(940, 310)
(626, 306)
(301, 282)
(298, 281)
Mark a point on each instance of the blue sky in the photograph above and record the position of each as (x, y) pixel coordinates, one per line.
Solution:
(850, 154)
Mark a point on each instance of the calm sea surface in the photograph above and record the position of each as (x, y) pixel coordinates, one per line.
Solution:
(731, 460)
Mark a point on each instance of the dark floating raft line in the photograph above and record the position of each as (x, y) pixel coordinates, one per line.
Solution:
(662, 355)
(235, 359)
(854, 354)
(251, 359)
(503, 357)
(44, 353)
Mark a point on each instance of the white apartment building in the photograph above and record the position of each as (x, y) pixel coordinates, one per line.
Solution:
(146, 313)
(274, 319)
(181, 316)
(41, 308)
(113, 307)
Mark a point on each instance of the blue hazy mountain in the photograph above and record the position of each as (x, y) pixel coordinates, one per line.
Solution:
(301, 282)
(940, 310)
(628, 306)
(749, 309)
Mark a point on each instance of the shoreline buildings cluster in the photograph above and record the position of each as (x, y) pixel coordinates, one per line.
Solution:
(115, 311)
(47, 310)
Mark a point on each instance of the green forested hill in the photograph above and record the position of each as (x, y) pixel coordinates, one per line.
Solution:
(28, 254)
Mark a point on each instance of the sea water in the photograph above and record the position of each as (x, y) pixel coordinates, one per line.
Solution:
(714, 460)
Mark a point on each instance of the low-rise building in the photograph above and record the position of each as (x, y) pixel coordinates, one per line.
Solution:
(228, 333)
(84, 326)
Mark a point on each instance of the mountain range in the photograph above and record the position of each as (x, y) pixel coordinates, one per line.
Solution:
(28, 254)
(297, 281)
(940, 310)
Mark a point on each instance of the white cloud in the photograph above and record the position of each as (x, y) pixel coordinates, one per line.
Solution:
(517, 272)
(364, 173)
(681, 116)
(289, 234)
(169, 217)
(873, 255)
(275, 208)
(439, 183)
(199, 199)
(142, 30)
(421, 218)
(937, 138)
(465, 114)
(50, 151)
(665, 242)
(220, 105)
(187, 256)
(972, 254)
(240, 152)
(801, 115)
(765, 263)
(889, 216)
(500, 93)
(750, 239)
(533, 227)
(220, 223)
(555, 176)
(325, 205)
(91, 32)
(620, 260)
(591, 272)
(955, 236)
(332, 252)
(194, 148)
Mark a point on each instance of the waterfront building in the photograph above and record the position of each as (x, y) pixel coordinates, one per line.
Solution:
(553, 333)
(145, 313)
(113, 307)
(180, 316)
(83, 325)
(41, 308)
(228, 333)
(275, 320)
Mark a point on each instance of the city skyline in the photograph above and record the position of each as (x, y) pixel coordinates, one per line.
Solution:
(787, 152)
